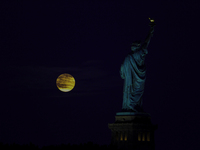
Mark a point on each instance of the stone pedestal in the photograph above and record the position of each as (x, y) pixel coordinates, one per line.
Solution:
(133, 131)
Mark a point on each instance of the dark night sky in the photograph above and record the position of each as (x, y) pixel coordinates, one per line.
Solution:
(89, 40)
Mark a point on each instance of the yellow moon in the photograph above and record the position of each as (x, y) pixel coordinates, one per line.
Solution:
(65, 82)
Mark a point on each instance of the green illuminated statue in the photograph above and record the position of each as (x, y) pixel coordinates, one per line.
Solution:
(133, 71)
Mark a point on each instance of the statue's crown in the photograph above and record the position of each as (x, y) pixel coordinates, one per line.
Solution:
(136, 43)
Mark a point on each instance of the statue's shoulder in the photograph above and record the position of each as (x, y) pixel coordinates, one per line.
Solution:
(129, 57)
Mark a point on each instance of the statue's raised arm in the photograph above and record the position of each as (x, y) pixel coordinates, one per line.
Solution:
(150, 34)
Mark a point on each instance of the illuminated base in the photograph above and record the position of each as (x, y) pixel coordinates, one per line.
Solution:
(133, 132)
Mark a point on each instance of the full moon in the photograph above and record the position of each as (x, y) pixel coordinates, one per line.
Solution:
(65, 82)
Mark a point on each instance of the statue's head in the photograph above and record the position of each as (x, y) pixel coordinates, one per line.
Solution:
(135, 45)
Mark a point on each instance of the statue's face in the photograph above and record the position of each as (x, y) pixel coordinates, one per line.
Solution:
(135, 46)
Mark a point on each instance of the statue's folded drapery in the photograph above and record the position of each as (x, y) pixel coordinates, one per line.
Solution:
(133, 71)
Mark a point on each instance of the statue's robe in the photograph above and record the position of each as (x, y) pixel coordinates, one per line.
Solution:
(133, 71)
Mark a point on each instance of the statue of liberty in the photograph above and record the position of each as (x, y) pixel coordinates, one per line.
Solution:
(133, 71)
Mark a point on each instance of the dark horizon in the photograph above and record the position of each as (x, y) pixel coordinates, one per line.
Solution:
(88, 145)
